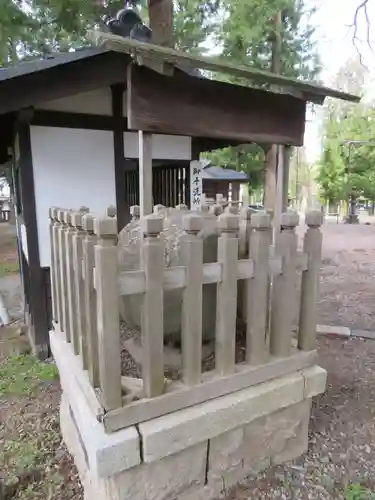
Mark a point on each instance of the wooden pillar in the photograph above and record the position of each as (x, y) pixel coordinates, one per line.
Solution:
(145, 173)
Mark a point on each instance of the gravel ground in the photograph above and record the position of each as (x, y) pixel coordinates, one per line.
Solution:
(340, 463)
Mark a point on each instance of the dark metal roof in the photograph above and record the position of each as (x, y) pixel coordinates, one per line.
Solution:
(57, 59)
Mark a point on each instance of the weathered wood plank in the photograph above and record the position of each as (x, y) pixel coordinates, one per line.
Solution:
(156, 104)
(180, 396)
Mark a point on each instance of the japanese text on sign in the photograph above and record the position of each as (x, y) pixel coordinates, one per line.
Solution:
(195, 183)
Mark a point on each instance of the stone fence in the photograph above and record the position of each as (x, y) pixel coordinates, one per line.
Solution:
(86, 285)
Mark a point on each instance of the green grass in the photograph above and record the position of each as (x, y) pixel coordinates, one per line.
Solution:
(21, 375)
(356, 491)
(8, 267)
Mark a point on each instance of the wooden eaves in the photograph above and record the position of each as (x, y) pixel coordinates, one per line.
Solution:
(164, 60)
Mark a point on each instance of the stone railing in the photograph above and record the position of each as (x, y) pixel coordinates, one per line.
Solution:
(86, 285)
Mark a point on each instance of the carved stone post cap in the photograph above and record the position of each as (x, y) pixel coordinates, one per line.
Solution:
(314, 218)
(182, 207)
(68, 217)
(216, 209)
(159, 209)
(228, 222)
(231, 209)
(88, 222)
(76, 219)
(260, 220)
(105, 227)
(53, 212)
(111, 211)
(289, 220)
(152, 224)
(135, 211)
(193, 222)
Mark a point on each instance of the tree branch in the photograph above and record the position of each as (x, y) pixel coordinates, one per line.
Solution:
(361, 8)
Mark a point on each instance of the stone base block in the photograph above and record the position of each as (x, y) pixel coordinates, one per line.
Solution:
(198, 453)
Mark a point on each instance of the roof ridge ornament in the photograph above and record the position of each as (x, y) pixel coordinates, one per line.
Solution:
(128, 24)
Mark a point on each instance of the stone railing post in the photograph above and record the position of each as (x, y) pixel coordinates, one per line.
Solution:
(54, 261)
(152, 263)
(257, 291)
(106, 284)
(71, 326)
(226, 306)
(310, 282)
(111, 211)
(79, 285)
(63, 302)
(135, 212)
(90, 299)
(216, 209)
(284, 290)
(192, 258)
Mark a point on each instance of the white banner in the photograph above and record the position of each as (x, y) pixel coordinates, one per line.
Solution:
(196, 184)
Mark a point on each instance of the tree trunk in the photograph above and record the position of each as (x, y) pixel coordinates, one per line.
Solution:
(271, 157)
(161, 22)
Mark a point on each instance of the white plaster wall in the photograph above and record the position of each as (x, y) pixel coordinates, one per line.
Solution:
(72, 167)
(164, 147)
(23, 235)
(96, 102)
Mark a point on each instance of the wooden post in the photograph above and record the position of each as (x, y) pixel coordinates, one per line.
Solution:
(79, 286)
(90, 300)
(226, 307)
(257, 291)
(310, 282)
(145, 173)
(283, 291)
(192, 258)
(63, 313)
(54, 249)
(152, 260)
(106, 284)
(71, 325)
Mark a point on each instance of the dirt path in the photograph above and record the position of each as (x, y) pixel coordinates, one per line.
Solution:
(347, 290)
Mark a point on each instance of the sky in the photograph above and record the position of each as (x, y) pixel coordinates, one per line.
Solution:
(335, 41)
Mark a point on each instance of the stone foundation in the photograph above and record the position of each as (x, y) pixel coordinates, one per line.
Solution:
(196, 453)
